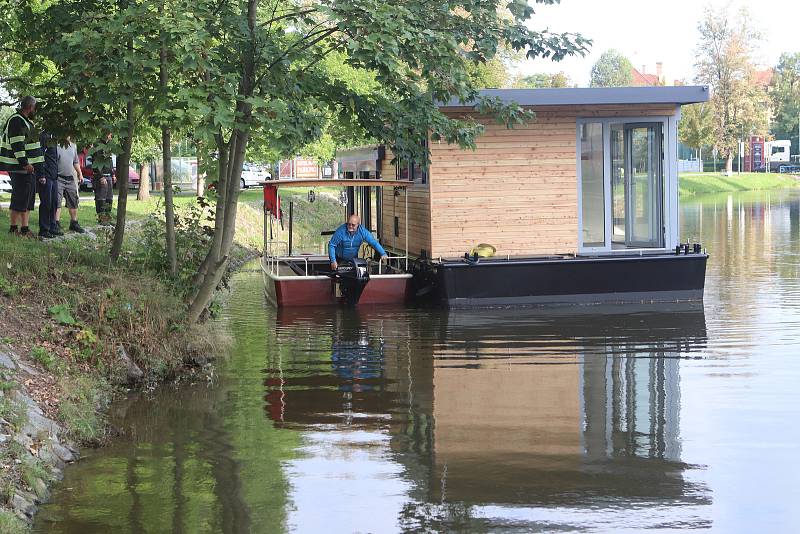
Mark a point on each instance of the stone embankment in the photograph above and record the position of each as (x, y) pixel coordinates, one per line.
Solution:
(33, 448)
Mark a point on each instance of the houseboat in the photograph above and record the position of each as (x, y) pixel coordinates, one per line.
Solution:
(580, 205)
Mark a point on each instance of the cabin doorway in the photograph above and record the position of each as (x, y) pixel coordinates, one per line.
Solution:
(637, 186)
(627, 188)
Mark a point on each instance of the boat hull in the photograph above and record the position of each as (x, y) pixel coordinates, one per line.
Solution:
(576, 280)
(289, 291)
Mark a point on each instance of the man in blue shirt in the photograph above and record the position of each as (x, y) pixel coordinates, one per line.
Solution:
(347, 239)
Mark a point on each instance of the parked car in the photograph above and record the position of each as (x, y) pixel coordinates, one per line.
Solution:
(253, 175)
(85, 161)
(5, 182)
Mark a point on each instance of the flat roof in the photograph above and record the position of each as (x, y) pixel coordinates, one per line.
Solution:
(578, 96)
(315, 182)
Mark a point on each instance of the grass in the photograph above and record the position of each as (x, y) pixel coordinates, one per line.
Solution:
(326, 213)
(11, 524)
(13, 412)
(78, 408)
(703, 183)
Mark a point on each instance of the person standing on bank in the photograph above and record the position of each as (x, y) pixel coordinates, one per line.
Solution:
(47, 174)
(67, 188)
(103, 180)
(19, 152)
(347, 239)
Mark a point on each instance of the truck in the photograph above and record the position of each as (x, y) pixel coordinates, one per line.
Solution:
(773, 156)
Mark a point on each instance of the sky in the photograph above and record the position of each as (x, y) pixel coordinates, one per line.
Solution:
(647, 31)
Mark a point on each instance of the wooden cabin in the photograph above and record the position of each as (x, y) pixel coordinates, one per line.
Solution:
(594, 175)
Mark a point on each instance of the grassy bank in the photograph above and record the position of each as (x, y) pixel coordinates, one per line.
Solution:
(702, 183)
(81, 326)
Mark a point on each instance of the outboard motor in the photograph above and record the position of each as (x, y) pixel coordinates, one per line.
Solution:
(353, 278)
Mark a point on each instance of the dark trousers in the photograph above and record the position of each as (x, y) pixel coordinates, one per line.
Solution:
(103, 195)
(48, 192)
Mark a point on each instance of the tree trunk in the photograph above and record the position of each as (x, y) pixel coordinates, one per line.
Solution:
(216, 262)
(123, 166)
(144, 183)
(166, 151)
(201, 177)
(169, 201)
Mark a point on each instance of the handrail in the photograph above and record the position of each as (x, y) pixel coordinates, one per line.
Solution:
(388, 259)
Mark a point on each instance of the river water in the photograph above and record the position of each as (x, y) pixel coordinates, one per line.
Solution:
(577, 418)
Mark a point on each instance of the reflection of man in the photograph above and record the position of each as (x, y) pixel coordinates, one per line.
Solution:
(347, 239)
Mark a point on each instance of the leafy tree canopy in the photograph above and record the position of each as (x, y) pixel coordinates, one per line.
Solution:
(543, 80)
(725, 63)
(612, 69)
(786, 99)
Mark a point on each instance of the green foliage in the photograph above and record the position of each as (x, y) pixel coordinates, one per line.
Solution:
(7, 287)
(62, 314)
(543, 80)
(696, 128)
(193, 229)
(612, 69)
(786, 99)
(46, 358)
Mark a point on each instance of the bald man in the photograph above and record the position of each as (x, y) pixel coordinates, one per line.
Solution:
(347, 239)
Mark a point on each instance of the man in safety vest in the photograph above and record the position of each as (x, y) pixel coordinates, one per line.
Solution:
(19, 152)
(347, 239)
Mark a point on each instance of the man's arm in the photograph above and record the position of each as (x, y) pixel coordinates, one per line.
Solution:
(76, 164)
(373, 242)
(336, 238)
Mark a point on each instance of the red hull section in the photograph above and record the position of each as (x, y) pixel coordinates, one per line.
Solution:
(310, 292)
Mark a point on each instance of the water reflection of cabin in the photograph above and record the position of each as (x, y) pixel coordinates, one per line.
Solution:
(581, 204)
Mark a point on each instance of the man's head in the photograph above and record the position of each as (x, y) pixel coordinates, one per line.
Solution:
(352, 223)
(27, 106)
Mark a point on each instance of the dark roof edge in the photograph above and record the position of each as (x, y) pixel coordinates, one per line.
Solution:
(580, 96)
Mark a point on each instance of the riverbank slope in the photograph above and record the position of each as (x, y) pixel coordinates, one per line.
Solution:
(707, 182)
(76, 328)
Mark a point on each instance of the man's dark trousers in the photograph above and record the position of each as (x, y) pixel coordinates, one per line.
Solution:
(48, 192)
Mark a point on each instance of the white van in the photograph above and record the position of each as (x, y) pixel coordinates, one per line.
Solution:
(253, 175)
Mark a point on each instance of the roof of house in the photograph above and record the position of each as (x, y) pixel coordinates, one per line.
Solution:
(642, 78)
(578, 96)
(763, 77)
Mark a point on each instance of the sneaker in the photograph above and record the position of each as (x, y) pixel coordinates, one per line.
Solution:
(46, 235)
(75, 227)
(56, 230)
(26, 232)
(13, 230)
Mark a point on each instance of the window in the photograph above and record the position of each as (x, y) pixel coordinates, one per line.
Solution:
(593, 206)
(623, 184)
(413, 171)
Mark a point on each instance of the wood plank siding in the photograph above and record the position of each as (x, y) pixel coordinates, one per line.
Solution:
(419, 213)
(518, 190)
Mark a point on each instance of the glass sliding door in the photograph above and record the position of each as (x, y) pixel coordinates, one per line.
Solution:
(592, 198)
(644, 225)
(622, 184)
(618, 187)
